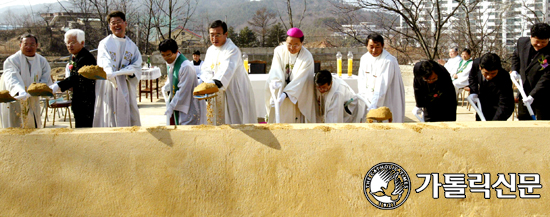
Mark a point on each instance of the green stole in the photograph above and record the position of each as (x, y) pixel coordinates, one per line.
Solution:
(462, 67)
(175, 81)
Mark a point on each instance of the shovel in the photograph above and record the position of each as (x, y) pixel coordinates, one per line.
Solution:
(522, 92)
(477, 107)
(418, 113)
(275, 88)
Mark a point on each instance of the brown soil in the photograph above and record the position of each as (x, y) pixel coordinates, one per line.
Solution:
(205, 88)
(92, 72)
(39, 89)
(380, 114)
(5, 96)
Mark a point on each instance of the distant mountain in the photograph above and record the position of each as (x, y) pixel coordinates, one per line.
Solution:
(37, 8)
(239, 12)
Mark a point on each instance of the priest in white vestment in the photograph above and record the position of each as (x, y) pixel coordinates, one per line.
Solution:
(197, 63)
(338, 103)
(181, 107)
(223, 66)
(20, 71)
(293, 66)
(461, 75)
(116, 102)
(380, 82)
(454, 59)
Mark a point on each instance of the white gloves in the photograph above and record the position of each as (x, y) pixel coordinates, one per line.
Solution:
(22, 96)
(54, 88)
(418, 110)
(473, 97)
(282, 98)
(124, 72)
(275, 84)
(419, 113)
(169, 111)
(529, 100)
(206, 76)
(514, 75)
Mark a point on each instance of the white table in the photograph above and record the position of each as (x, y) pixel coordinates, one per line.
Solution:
(258, 86)
(148, 75)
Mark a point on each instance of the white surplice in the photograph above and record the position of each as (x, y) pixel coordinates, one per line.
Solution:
(19, 73)
(235, 98)
(452, 64)
(380, 84)
(333, 109)
(202, 103)
(116, 102)
(182, 101)
(463, 73)
(299, 106)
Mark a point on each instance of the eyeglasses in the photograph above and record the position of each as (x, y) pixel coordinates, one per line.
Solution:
(116, 23)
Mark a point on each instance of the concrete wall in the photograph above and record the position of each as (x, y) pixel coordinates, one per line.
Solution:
(257, 170)
(327, 56)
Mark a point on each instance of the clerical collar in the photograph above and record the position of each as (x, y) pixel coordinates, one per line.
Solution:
(119, 39)
(196, 63)
(173, 63)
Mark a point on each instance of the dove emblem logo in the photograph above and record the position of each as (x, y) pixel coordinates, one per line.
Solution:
(387, 186)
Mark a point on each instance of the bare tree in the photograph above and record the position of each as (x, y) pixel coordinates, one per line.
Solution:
(421, 20)
(173, 13)
(535, 12)
(262, 20)
(290, 15)
(357, 24)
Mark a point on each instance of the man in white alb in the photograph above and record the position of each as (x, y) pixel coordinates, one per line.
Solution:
(116, 103)
(380, 81)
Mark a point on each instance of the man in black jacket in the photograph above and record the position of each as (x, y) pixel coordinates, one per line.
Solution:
(492, 85)
(434, 92)
(530, 60)
(83, 89)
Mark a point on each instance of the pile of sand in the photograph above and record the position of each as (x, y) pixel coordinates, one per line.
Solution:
(5, 96)
(205, 88)
(93, 72)
(379, 114)
(39, 89)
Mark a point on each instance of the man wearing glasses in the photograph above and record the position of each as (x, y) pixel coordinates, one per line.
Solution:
(83, 89)
(434, 92)
(20, 71)
(293, 66)
(116, 103)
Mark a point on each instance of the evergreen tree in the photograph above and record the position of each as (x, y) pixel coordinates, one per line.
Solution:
(231, 34)
(248, 38)
(276, 35)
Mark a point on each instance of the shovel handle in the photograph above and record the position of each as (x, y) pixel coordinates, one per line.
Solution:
(522, 92)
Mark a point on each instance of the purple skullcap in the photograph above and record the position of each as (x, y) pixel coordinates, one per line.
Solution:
(295, 32)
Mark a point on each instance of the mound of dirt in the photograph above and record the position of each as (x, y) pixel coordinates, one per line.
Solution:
(93, 72)
(205, 88)
(379, 114)
(39, 89)
(5, 96)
